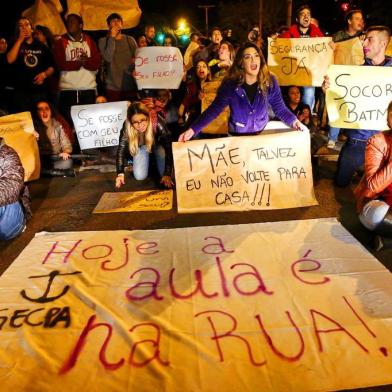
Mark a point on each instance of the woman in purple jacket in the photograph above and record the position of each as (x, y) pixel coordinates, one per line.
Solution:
(247, 89)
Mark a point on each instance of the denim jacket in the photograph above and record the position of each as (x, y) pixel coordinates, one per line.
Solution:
(245, 117)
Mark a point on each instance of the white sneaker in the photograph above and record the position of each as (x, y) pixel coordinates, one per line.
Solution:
(331, 144)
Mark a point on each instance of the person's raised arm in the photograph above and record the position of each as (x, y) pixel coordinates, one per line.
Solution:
(164, 138)
(121, 152)
(326, 84)
(12, 55)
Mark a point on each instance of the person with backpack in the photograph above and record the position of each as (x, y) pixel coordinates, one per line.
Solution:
(118, 52)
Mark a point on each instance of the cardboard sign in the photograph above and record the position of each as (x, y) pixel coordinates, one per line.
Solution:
(269, 171)
(358, 96)
(17, 131)
(154, 200)
(94, 13)
(158, 67)
(99, 125)
(388, 52)
(47, 13)
(288, 306)
(349, 52)
(219, 126)
(299, 61)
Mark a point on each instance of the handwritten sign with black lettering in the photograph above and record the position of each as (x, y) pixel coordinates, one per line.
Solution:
(154, 200)
(299, 61)
(99, 125)
(358, 96)
(290, 306)
(269, 171)
(17, 130)
(158, 67)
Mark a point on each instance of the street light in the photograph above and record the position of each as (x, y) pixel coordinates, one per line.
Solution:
(183, 31)
(181, 24)
(206, 8)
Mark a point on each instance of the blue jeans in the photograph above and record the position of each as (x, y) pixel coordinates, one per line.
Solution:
(12, 221)
(142, 159)
(308, 96)
(333, 134)
(351, 158)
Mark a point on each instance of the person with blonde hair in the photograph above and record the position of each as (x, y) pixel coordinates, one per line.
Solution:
(248, 89)
(144, 132)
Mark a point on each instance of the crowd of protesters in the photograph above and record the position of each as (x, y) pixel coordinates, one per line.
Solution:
(47, 75)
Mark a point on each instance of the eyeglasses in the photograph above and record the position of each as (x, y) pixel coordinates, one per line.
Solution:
(134, 123)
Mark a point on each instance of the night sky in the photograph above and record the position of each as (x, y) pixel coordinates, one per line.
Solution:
(324, 10)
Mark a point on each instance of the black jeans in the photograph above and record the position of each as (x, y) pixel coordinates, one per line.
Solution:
(68, 98)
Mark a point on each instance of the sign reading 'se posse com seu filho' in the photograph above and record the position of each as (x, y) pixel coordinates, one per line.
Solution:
(158, 67)
(358, 96)
(99, 125)
(269, 171)
(299, 61)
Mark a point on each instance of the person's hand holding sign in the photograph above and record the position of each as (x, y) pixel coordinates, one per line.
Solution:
(167, 181)
(298, 126)
(187, 135)
(326, 84)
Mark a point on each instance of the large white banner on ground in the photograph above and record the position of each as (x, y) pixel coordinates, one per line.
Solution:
(288, 306)
(99, 125)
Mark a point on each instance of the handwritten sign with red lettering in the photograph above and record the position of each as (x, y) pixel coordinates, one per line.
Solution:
(264, 172)
(290, 306)
(158, 67)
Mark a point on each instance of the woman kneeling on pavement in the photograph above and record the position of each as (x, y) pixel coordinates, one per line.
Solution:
(54, 145)
(144, 132)
(374, 192)
(248, 89)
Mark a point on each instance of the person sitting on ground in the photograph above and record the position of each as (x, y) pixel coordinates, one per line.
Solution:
(248, 89)
(352, 154)
(144, 132)
(293, 100)
(14, 197)
(54, 145)
(305, 116)
(374, 192)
